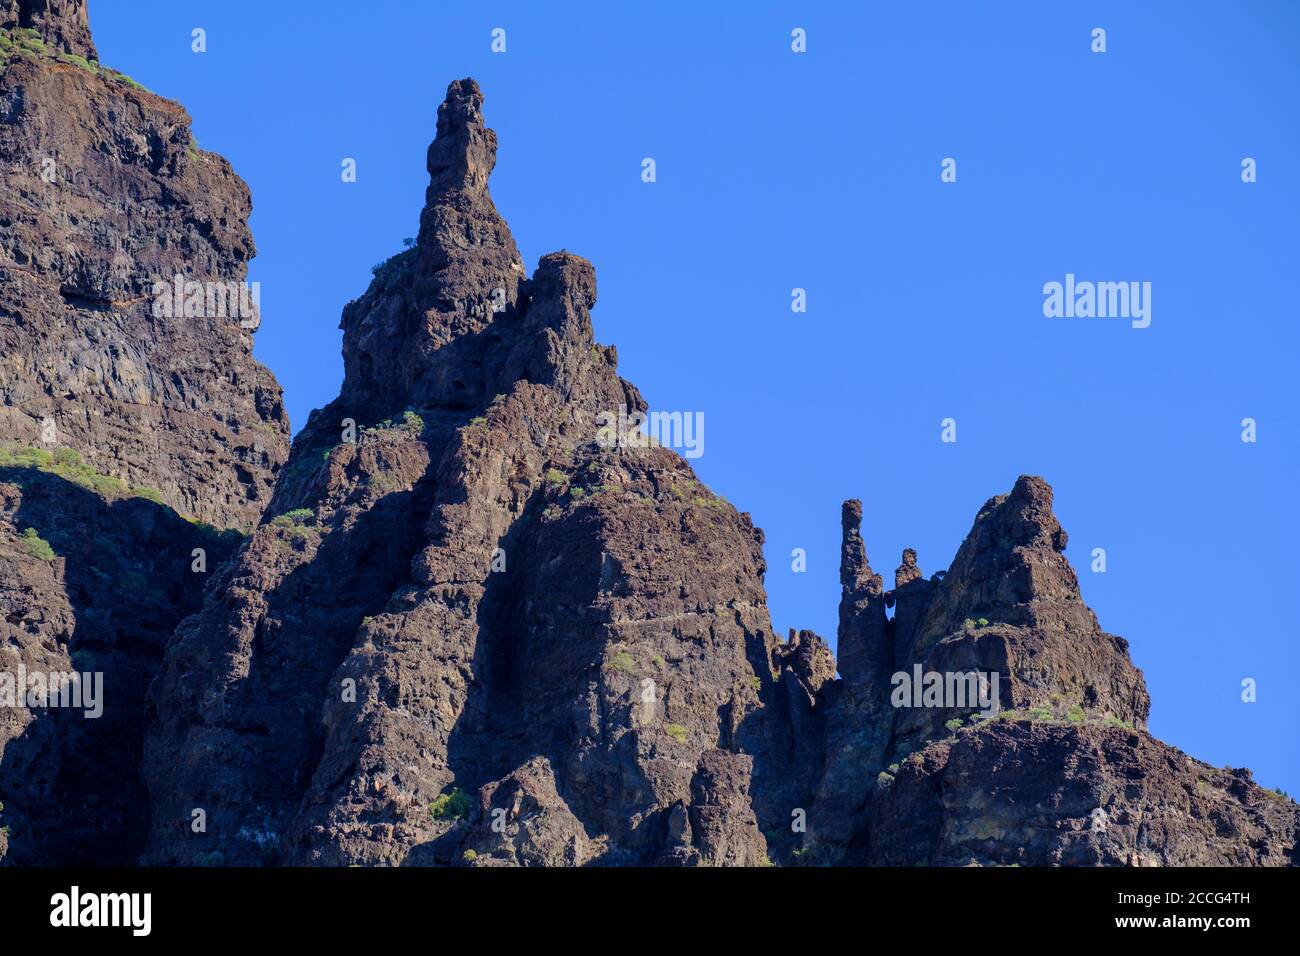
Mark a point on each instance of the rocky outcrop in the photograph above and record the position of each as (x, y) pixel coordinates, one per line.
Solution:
(1010, 604)
(62, 24)
(105, 200)
(1032, 793)
(583, 625)
(1045, 763)
(555, 650)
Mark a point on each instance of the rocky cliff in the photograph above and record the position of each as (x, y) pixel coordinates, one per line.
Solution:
(551, 651)
(473, 625)
(126, 430)
(573, 635)
(1052, 763)
(105, 201)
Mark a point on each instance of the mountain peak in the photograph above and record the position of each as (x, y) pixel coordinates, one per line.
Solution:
(464, 151)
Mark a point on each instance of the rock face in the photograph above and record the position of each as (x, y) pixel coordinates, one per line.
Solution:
(105, 200)
(62, 24)
(478, 634)
(580, 629)
(112, 419)
(1053, 768)
(1031, 793)
(480, 622)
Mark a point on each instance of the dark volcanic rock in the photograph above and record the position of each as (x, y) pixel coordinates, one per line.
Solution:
(1010, 604)
(474, 634)
(467, 631)
(104, 194)
(944, 784)
(1033, 794)
(577, 624)
(118, 576)
(63, 24)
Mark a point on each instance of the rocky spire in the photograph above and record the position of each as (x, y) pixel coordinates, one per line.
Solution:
(864, 652)
(855, 570)
(1010, 604)
(910, 595)
(62, 24)
(464, 152)
(908, 570)
(416, 337)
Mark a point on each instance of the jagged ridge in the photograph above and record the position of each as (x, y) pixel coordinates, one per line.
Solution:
(465, 632)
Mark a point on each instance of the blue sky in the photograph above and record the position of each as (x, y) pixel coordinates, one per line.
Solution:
(821, 170)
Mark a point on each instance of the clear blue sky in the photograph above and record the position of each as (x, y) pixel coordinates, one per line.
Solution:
(821, 170)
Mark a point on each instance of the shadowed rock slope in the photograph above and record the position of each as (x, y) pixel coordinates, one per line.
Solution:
(92, 581)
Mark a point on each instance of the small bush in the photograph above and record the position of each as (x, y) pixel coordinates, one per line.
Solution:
(149, 494)
(954, 724)
(67, 464)
(554, 476)
(676, 731)
(293, 522)
(123, 79)
(469, 856)
(82, 62)
(412, 421)
(622, 661)
(452, 805)
(30, 40)
(37, 546)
